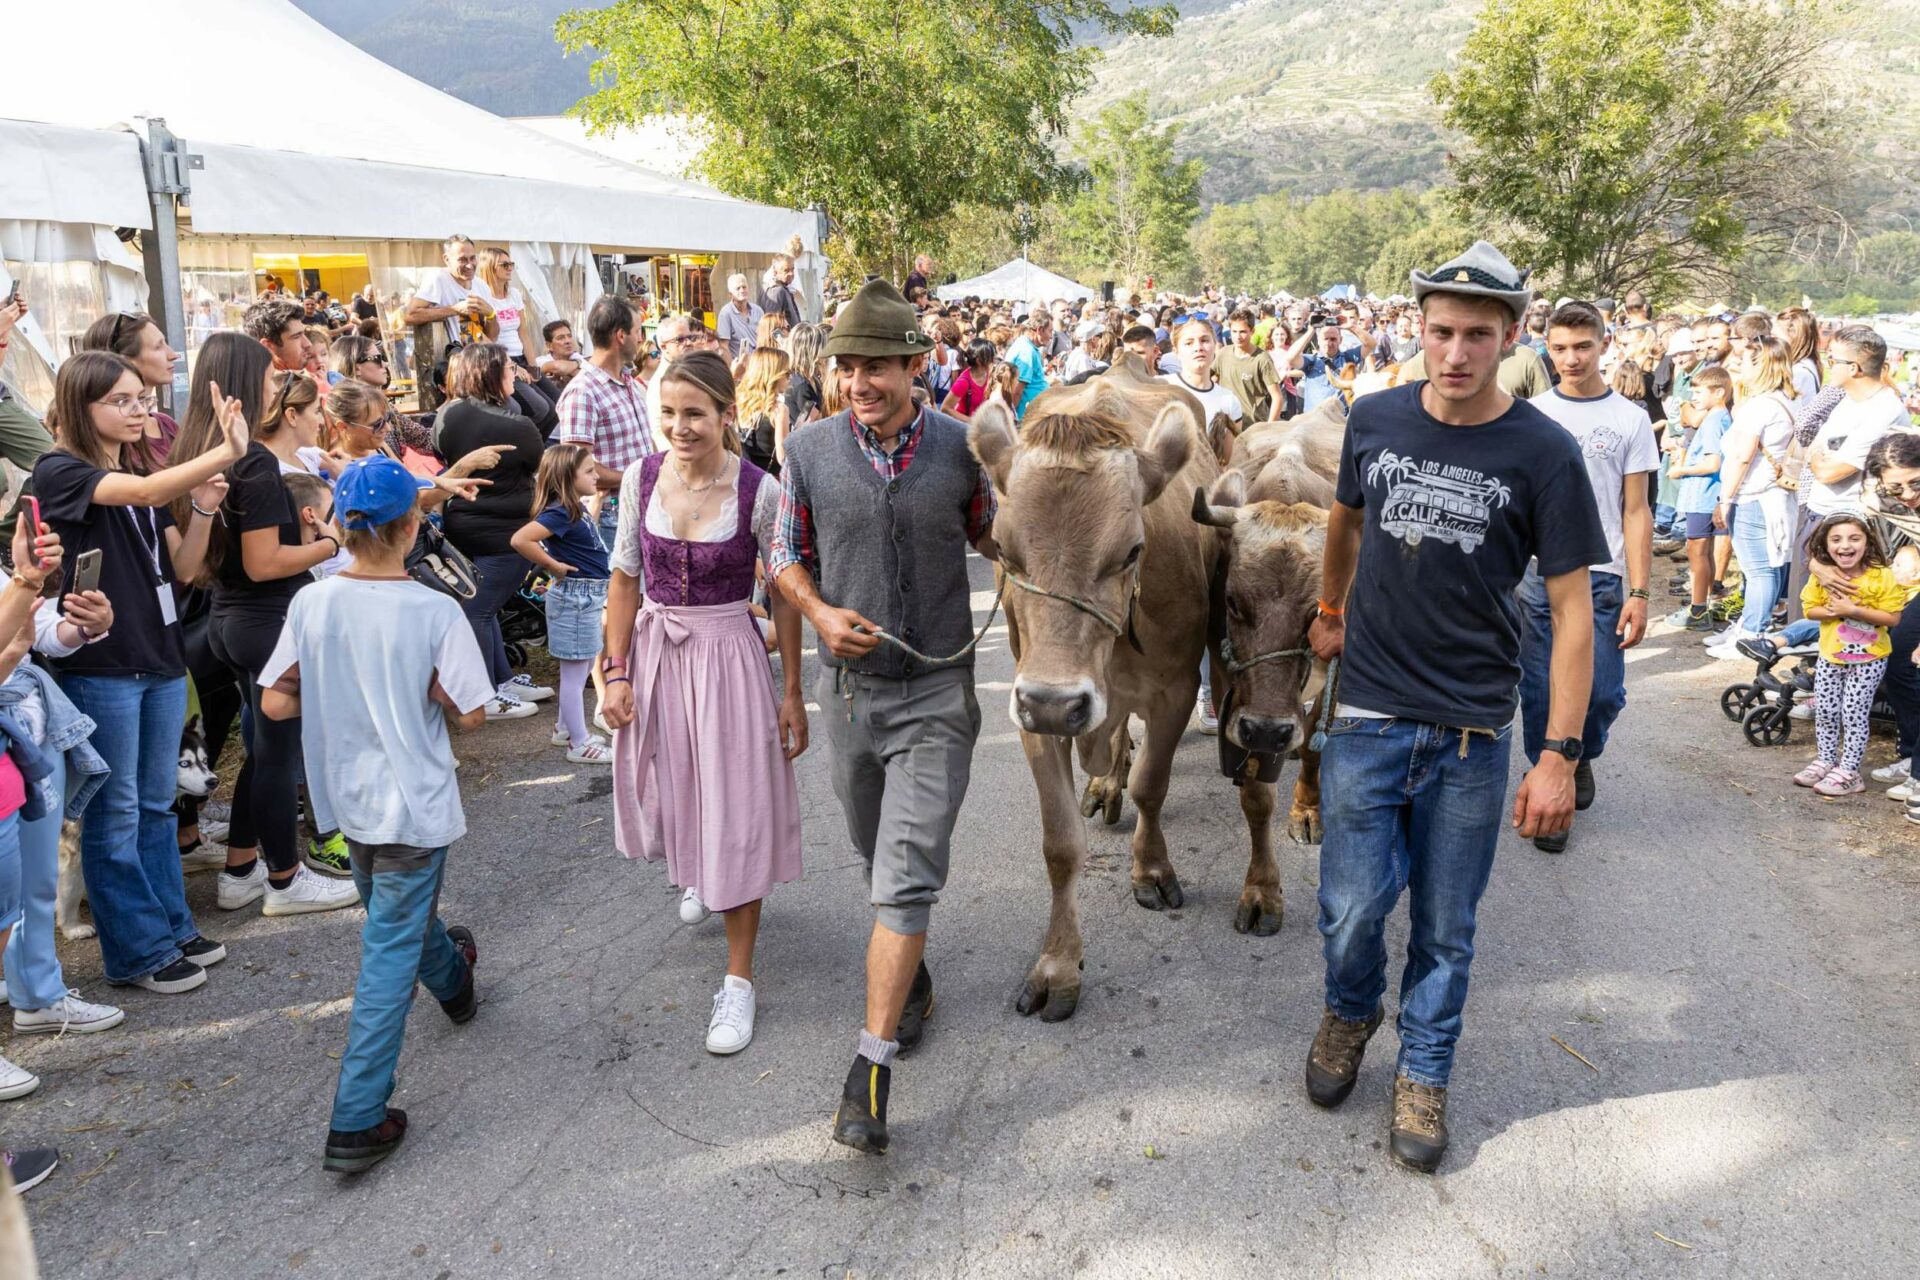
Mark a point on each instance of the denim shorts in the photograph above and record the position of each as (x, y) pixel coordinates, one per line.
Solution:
(574, 609)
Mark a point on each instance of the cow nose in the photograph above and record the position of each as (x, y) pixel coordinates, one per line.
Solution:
(1267, 735)
(1063, 710)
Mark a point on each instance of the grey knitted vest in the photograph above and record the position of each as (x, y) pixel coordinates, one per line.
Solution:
(893, 550)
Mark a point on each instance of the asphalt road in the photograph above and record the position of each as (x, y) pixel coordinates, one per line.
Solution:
(1734, 959)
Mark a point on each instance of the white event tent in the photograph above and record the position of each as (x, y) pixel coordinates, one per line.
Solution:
(1016, 281)
(384, 174)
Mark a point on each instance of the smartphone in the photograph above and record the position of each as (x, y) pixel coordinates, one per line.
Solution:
(11, 296)
(30, 509)
(86, 571)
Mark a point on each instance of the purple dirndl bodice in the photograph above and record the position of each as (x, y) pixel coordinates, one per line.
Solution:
(700, 573)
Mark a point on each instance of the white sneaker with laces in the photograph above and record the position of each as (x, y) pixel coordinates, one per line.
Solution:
(593, 751)
(308, 892)
(731, 1028)
(1209, 722)
(68, 1014)
(1904, 792)
(502, 706)
(213, 830)
(236, 892)
(692, 910)
(18, 1082)
(523, 688)
(205, 856)
(1898, 771)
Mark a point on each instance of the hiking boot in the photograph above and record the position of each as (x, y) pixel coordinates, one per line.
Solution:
(1583, 788)
(462, 1007)
(1418, 1138)
(1553, 843)
(359, 1151)
(860, 1121)
(913, 1018)
(1333, 1064)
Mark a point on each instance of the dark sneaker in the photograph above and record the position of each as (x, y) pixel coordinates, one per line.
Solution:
(463, 1006)
(31, 1166)
(1699, 617)
(1553, 844)
(1583, 788)
(359, 1152)
(1333, 1064)
(913, 1019)
(203, 951)
(182, 975)
(330, 857)
(860, 1121)
(1418, 1138)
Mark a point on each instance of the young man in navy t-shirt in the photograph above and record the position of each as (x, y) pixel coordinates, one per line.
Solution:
(1448, 487)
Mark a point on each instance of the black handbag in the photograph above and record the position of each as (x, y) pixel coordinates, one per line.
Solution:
(436, 563)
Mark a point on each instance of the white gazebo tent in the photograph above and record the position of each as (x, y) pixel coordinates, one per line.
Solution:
(1016, 281)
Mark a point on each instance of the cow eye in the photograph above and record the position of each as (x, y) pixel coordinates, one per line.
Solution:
(1133, 556)
(1235, 609)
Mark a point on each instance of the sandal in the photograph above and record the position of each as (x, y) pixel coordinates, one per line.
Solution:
(1814, 774)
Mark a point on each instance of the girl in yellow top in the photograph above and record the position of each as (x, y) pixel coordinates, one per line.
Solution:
(1853, 649)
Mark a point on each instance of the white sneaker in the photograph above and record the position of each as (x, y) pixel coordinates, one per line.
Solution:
(213, 831)
(309, 892)
(18, 1082)
(236, 892)
(67, 1014)
(1903, 792)
(1800, 711)
(3, 991)
(731, 1028)
(503, 706)
(1898, 771)
(523, 688)
(205, 856)
(561, 738)
(593, 751)
(1209, 722)
(600, 722)
(692, 910)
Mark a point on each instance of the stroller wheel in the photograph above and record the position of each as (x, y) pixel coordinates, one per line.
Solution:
(516, 654)
(1768, 725)
(1737, 699)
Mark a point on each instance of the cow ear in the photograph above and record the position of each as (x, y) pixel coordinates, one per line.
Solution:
(1166, 449)
(1230, 490)
(992, 438)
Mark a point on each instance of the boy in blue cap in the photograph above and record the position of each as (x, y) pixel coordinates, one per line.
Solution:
(367, 659)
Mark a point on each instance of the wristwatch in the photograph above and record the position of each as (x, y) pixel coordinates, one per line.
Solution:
(1571, 748)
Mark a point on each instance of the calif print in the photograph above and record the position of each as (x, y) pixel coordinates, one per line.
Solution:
(1434, 500)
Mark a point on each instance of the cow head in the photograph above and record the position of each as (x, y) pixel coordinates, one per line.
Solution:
(1073, 488)
(1272, 582)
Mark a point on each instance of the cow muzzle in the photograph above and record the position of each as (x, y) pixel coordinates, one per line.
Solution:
(1264, 735)
(1062, 710)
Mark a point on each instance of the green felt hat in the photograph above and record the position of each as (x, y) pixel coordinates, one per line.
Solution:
(878, 322)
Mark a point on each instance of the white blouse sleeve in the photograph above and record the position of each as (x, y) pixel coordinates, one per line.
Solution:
(625, 556)
(766, 515)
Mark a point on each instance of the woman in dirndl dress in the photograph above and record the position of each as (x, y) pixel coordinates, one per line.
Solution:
(702, 754)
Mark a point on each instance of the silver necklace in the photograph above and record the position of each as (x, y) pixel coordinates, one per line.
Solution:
(699, 508)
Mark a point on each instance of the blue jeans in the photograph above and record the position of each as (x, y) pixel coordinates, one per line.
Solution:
(1609, 696)
(34, 979)
(1664, 519)
(128, 848)
(403, 942)
(1417, 807)
(499, 579)
(10, 877)
(1762, 585)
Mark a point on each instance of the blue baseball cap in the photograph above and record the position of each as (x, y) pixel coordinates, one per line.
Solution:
(377, 490)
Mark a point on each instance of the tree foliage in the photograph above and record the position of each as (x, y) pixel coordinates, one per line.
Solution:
(1650, 143)
(1131, 216)
(890, 112)
(1370, 239)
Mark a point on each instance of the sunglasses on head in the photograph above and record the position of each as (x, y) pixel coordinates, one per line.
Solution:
(120, 321)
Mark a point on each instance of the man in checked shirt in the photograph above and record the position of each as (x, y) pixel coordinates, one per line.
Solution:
(879, 505)
(605, 406)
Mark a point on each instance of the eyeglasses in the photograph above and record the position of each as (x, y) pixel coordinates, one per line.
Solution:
(1898, 488)
(506, 266)
(124, 403)
(682, 340)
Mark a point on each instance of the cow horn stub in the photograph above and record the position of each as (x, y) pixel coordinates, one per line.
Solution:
(1205, 512)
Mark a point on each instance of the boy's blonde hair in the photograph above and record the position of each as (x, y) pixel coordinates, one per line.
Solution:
(395, 535)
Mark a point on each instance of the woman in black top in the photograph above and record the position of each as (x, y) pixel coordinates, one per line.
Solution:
(132, 681)
(480, 416)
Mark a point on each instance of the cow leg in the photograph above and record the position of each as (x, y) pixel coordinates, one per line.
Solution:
(1155, 886)
(1052, 988)
(1105, 757)
(1303, 819)
(1261, 906)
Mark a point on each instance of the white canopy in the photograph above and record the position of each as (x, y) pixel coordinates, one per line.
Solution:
(1018, 280)
(400, 161)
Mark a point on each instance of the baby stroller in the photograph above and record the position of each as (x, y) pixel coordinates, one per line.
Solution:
(523, 619)
(1763, 706)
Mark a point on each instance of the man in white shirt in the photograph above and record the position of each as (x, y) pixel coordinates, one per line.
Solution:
(447, 301)
(1858, 357)
(739, 320)
(1616, 439)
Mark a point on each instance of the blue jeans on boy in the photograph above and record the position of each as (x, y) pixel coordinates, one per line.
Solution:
(403, 942)
(34, 978)
(1664, 520)
(1761, 585)
(1417, 807)
(128, 848)
(1609, 696)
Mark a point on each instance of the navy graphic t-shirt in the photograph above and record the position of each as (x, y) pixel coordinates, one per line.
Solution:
(1451, 517)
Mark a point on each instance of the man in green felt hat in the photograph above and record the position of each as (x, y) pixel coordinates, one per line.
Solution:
(879, 505)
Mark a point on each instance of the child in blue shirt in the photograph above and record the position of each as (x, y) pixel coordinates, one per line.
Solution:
(1699, 493)
(562, 539)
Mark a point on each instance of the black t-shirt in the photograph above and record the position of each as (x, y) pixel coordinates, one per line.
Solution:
(1451, 516)
(485, 526)
(130, 541)
(364, 310)
(802, 398)
(257, 498)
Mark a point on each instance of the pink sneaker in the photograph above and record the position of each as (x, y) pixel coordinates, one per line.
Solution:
(1814, 774)
(1841, 782)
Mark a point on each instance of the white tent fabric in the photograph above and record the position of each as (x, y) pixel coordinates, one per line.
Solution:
(71, 274)
(1019, 280)
(409, 161)
(55, 173)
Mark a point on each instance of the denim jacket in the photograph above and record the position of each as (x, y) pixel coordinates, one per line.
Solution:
(68, 732)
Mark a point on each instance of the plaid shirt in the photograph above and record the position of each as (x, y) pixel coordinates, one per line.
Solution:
(608, 413)
(793, 535)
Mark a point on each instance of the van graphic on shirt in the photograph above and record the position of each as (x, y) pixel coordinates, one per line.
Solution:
(1429, 499)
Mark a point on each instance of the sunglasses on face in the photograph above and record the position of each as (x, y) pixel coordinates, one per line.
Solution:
(1899, 488)
(373, 357)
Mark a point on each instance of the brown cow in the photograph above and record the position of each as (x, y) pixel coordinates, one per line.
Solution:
(1095, 488)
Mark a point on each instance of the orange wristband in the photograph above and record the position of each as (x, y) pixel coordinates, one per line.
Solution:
(1329, 610)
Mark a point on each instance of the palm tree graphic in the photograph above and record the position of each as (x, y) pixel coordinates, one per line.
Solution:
(1497, 494)
(1392, 466)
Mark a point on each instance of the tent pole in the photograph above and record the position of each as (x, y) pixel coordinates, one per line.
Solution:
(167, 164)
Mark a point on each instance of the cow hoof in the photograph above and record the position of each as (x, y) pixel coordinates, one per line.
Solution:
(1160, 895)
(1254, 918)
(1102, 798)
(1053, 1004)
(1112, 814)
(1304, 827)
(76, 932)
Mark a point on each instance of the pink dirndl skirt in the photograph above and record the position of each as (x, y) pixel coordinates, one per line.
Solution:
(699, 777)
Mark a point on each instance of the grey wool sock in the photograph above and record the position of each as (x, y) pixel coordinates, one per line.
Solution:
(877, 1051)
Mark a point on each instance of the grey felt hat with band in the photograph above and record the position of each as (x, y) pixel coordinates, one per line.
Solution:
(1481, 272)
(878, 322)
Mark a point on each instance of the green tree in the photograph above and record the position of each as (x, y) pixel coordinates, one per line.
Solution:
(1650, 143)
(1130, 218)
(890, 112)
(1227, 247)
